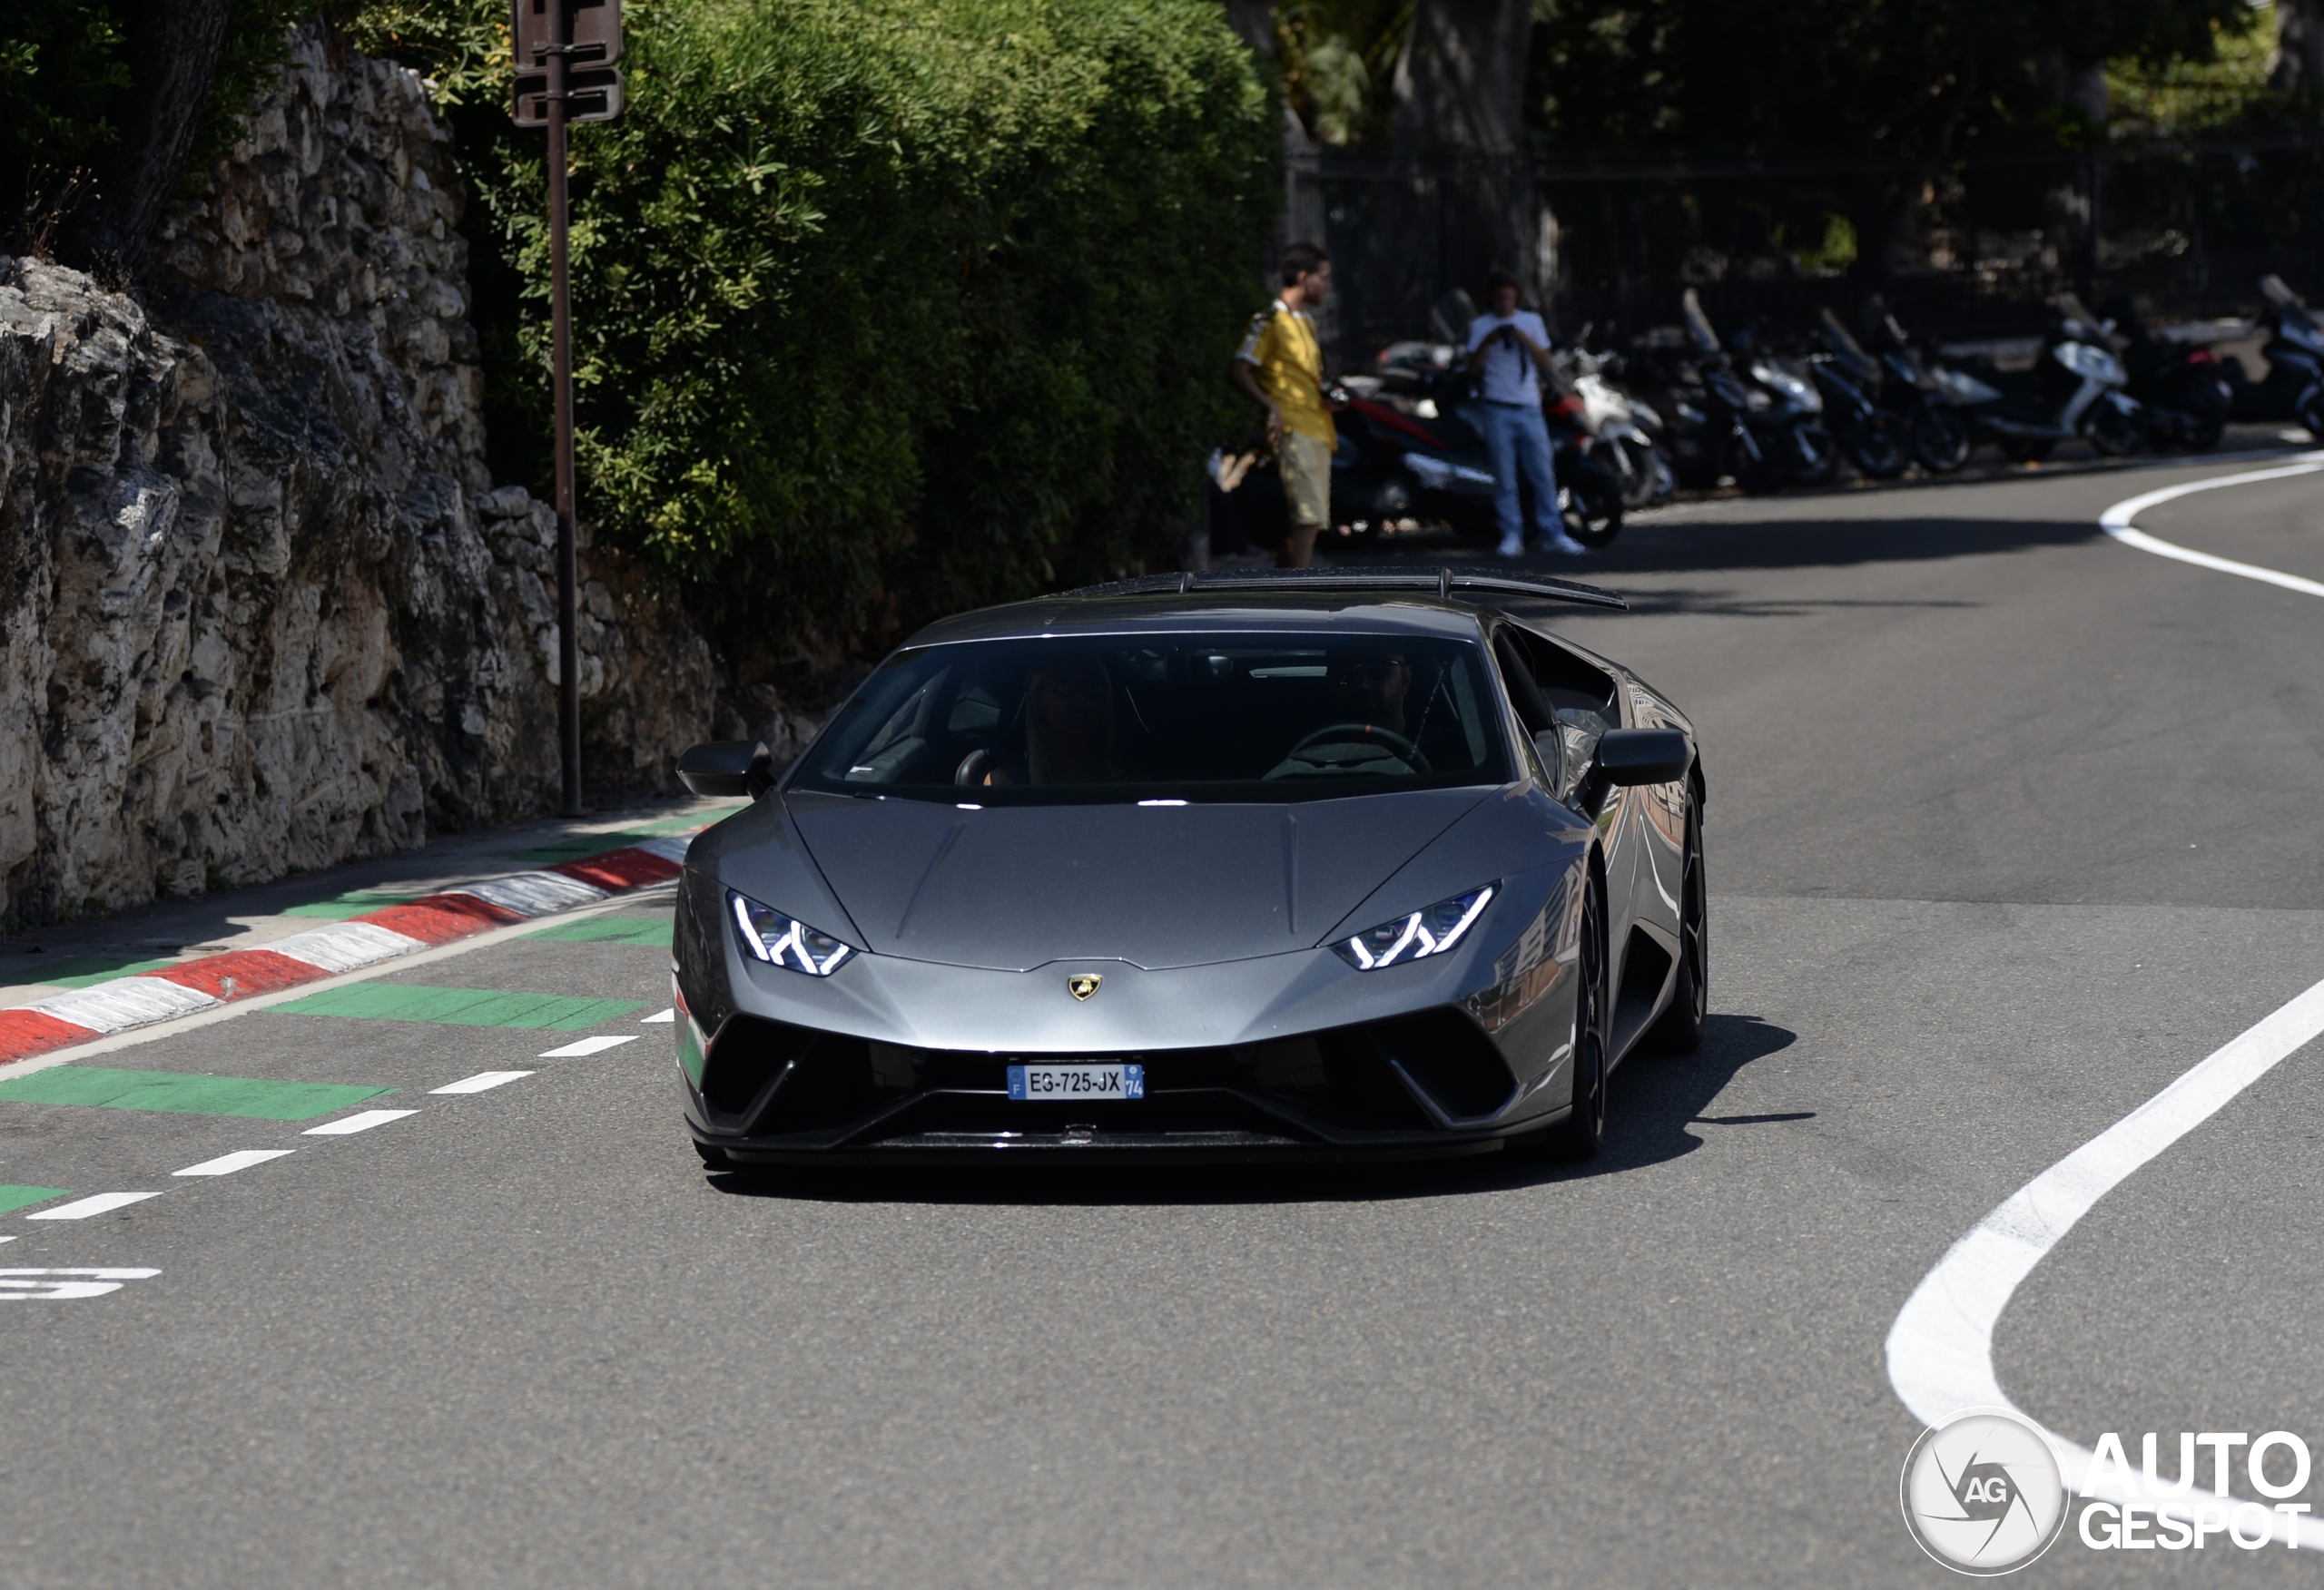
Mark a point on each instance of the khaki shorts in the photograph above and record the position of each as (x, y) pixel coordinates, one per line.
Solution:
(1305, 465)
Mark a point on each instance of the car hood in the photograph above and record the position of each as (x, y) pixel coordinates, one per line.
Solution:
(1014, 888)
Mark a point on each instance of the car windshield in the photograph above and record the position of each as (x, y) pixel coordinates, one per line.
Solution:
(1210, 718)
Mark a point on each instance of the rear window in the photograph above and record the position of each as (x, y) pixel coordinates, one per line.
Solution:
(1227, 718)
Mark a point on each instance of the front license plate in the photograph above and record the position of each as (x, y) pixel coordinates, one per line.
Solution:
(1107, 1080)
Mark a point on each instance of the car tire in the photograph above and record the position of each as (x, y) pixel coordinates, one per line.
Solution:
(1582, 1134)
(1681, 1029)
(1940, 440)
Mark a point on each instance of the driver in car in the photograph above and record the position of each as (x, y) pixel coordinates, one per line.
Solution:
(1366, 733)
(1369, 686)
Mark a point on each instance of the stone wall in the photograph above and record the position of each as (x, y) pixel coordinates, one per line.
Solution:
(262, 608)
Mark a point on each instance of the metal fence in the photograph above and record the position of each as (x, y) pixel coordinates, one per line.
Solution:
(2191, 227)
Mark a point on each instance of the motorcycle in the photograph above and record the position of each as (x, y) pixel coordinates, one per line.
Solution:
(1849, 379)
(1628, 429)
(2077, 387)
(2183, 386)
(1407, 451)
(1923, 404)
(2294, 389)
(1765, 431)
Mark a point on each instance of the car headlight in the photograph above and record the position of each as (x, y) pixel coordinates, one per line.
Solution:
(1431, 931)
(768, 935)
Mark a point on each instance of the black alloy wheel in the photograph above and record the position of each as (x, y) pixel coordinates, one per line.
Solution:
(1582, 1133)
(1811, 453)
(1940, 440)
(1590, 500)
(2206, 424)
(1879, 448)
(1681, 1029)
(2115, 433)
(2311, 414)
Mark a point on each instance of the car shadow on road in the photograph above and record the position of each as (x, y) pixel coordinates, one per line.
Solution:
(1655, 1103)
(1682, 545)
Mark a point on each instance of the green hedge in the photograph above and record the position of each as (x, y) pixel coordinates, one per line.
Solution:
(885, 308)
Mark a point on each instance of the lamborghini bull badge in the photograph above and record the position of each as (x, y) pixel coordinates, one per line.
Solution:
(1083, 985)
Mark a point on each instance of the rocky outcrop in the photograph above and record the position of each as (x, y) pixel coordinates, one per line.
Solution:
(263, 609)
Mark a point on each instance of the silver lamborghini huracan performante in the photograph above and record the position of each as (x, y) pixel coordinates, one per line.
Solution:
(1223, 866)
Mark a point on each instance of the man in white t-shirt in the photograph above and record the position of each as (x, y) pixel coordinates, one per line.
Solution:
(1508, 352)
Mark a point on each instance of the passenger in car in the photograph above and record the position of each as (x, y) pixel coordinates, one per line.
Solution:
(1069, 737)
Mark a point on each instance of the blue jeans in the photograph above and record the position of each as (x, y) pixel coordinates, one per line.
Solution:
(1519, 438)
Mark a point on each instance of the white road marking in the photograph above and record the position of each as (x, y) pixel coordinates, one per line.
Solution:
(242, 1159)
(666, 1017)
(2116, 522)
(7, 1238)
(102, 1204)
(50, 1285)
(482, 1081)
(533, 894)
(589, 1046)
(1941, 1348)
(124, 1002)
(360, 1123)
(344, 946)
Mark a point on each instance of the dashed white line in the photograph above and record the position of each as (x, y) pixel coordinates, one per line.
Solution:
(359, 1123)
(102, 1204)
(589, 1046)
(482, 1081)
(666, 1017)
(52, 1285)
(226, 1165)
(1941, 1348)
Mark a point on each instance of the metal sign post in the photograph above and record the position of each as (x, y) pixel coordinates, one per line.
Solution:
(552, 38)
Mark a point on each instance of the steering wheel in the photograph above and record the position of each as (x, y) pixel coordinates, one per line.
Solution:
(1341, 733)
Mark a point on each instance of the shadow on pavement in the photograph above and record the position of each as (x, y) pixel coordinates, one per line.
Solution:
(1655, 1099)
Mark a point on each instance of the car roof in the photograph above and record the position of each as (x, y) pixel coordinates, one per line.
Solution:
(1448, 603)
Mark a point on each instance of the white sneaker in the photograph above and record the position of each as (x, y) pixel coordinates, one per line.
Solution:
(1564, 546)
(1511, 546)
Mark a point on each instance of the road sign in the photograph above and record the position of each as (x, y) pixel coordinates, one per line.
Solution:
(592, 93)
(592, 30)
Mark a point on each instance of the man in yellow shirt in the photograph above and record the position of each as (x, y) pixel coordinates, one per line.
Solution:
(1280, 367)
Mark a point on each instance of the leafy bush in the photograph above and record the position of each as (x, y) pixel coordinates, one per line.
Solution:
(890, 307)
(63, 88)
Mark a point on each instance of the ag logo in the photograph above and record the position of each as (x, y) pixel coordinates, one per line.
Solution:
(1083, 985)
(1984, 1494)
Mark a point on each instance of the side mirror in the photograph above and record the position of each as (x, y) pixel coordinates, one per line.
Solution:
(727, 767)
(1644, 756)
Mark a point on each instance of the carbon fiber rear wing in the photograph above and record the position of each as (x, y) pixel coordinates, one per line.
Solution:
(1445, 584)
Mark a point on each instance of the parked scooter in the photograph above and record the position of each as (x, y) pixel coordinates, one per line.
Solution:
(2183, 385)
(2077, 387)
(1628, 429)
(1763, 427)
(1928, 409)
(2294, 389)
(1407, 452)
(1850, 379)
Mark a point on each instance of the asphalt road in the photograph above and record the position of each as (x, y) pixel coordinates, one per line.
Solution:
(2009, 824)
